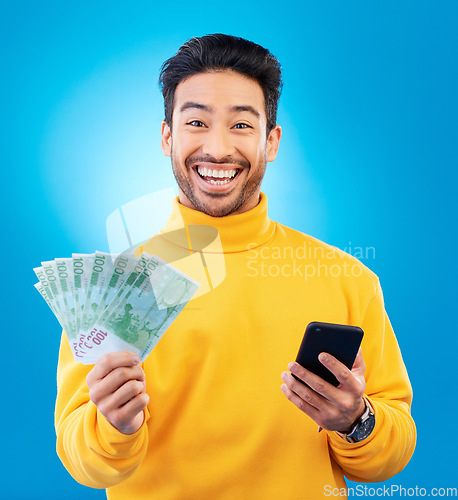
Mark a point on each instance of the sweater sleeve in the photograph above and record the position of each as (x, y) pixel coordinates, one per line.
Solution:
(391, 444)
(94, 452)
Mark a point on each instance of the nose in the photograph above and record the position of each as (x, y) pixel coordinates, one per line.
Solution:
(218, 143)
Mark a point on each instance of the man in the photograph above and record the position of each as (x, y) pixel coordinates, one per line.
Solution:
(206, 415)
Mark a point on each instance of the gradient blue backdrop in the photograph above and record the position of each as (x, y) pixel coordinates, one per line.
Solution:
(368, 159)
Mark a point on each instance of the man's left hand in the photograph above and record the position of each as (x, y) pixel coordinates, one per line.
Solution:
(332, 408)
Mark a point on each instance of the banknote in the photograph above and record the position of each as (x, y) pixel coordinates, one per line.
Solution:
(58, 270)
(51, 291)
(175, 295)
(65, 273)
(101, 271)
(145, 312)
(112, 302)
(122, 267)
(39, 286)
(123, 319)
(81, 275)
(126, 286)
(126, 269)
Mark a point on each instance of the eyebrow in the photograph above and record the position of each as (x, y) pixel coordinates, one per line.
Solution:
(204, 107)
(250, 109)
(194, 105)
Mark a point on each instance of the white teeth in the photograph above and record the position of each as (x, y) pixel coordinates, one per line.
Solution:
(211, 181)
(219, 174)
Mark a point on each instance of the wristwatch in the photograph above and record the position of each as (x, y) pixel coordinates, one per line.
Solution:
(362, 427)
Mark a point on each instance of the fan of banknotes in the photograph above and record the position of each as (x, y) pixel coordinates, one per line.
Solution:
(107, 303)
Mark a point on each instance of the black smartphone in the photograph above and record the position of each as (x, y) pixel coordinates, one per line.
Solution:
(342, 341)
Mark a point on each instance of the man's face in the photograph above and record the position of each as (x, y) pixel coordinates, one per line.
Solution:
(218, 142)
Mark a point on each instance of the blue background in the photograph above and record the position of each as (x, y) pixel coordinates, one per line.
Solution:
(368, 159)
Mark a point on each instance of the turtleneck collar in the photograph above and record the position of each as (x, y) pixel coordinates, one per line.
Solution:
(233, 233)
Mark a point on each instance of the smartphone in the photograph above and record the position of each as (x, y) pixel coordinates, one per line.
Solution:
(341, 341)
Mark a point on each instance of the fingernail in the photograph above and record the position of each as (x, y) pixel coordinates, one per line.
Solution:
(292, 367)
(323, 357)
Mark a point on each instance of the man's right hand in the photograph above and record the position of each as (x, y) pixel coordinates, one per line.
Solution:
(117, 387)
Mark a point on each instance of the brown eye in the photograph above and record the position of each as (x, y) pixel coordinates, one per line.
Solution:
(241, 126)
(196, 123)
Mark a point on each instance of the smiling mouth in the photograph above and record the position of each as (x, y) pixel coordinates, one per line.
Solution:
(217, 176)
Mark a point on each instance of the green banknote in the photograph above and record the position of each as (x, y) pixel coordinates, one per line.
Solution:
(101, 271)
(146, 309)
(81, 275)
(48, 282)
(39, 286)
(107, 303)
(123, 266)
(64, 269)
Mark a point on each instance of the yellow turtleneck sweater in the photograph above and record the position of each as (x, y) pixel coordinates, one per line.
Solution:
(218, 425)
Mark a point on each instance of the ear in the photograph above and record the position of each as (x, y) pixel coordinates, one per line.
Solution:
(273, 142)
(166, 139)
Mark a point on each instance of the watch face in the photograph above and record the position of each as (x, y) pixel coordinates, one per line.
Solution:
(366, 428)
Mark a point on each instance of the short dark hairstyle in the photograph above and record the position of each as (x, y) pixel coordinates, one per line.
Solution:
(218, 52)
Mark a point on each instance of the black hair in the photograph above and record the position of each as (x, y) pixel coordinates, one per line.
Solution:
(218, 52)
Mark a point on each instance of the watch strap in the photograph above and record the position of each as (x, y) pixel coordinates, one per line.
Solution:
(348, 436)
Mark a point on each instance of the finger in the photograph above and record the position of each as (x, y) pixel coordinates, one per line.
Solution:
(339, 370)
(359, 366)
(109, 362)
(122, 396)
(319, 385)
(114, 380)
(128, 391)
(135, 405)
(124, 418)
(308, 409)
(305, 393)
